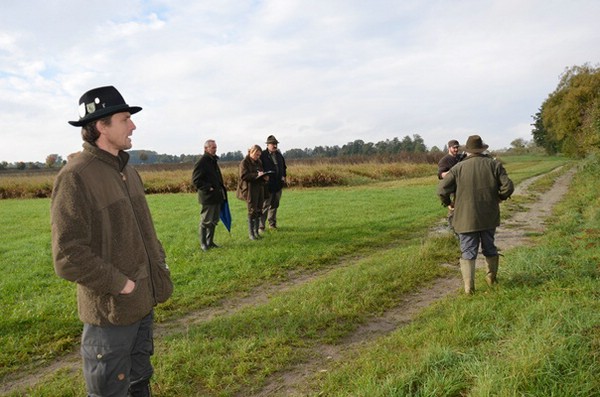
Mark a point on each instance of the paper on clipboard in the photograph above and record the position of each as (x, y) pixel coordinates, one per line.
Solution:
(266, 173)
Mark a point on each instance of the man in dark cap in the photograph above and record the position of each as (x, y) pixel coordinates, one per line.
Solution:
(274, 165)
(479, 183)
(103, 239)
(450, 159)
(445, 164)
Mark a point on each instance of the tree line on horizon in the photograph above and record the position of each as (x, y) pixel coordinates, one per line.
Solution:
(355, 148)
(414, 144)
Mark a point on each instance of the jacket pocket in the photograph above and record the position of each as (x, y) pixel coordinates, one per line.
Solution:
(161, 281)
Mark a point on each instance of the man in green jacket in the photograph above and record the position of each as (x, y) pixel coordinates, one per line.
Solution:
(103, 239)
(479, 183)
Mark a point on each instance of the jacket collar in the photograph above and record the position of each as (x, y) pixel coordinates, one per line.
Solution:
(118, 162)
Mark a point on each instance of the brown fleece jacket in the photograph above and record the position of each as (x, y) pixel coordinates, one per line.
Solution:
(102, 234)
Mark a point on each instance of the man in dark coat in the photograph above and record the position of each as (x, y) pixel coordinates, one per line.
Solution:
(274, 165)
(208, 181)
(479, 183)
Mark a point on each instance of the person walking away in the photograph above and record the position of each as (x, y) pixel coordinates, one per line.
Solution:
(273, 163)
(104, 240)
(445, 164)
(208, 180)
(251, 188)
(479, 183)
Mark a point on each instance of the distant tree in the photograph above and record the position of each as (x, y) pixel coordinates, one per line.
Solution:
(53, 160)
(540, 135)
(368, 149)
(319, 151)
(407, 144)
(232, 156)
(518, 146)
(518, 143)
(143, 156)
(295, 154)
(418, 144)
(20, 165)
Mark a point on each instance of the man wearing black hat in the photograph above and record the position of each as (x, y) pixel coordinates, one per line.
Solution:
(479, 183)
(103, 239)
(274, 165)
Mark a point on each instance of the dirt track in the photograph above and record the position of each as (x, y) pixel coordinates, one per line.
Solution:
(511, 234)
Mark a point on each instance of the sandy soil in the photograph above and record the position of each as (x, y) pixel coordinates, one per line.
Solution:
(512, 233)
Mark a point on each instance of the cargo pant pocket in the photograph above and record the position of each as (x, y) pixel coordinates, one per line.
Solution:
(106, 362)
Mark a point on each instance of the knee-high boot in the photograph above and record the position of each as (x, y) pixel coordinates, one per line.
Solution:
(251, 234)
(257, 227)
(210, 236)
(467, 268)
(203, 244)
(492, 269)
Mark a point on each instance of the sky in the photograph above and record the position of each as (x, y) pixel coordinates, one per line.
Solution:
(310, 72)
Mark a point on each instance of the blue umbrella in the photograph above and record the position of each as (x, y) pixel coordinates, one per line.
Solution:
(225, 215)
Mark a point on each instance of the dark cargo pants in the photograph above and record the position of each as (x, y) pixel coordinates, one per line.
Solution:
(114, 358)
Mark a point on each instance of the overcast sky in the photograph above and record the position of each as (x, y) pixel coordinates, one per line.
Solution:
(322, 72)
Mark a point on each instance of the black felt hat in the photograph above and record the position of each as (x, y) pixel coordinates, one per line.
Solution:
(101, 102)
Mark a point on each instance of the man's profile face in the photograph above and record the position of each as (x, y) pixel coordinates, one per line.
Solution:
(272, 147)
(116, 135)
(453, 150)
(211, 148)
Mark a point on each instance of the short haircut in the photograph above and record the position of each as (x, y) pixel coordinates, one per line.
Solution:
(90, 133)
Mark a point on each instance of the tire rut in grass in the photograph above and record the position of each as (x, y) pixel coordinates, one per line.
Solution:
(288, 383)
(35, 373)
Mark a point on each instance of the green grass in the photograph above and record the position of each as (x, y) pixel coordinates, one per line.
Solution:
(37, 312)
(537, 334)
(318, 227)
(523, 167)
(376, 231)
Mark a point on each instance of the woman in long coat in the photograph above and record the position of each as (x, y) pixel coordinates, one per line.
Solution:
(251, 188)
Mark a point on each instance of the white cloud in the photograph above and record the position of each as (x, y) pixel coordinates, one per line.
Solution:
(310, 72)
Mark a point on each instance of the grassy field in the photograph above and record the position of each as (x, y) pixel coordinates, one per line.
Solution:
(367, 245)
